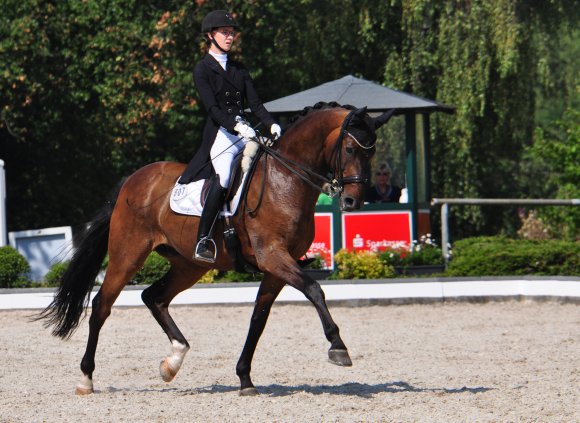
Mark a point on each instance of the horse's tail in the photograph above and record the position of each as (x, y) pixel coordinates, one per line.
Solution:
(77, 282)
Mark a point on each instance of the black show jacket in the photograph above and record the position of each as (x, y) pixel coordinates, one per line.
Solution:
(225, 95)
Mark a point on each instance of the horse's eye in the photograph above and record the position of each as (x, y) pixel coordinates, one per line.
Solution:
(349, 150)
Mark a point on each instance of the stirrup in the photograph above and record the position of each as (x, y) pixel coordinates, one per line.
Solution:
(203, 243)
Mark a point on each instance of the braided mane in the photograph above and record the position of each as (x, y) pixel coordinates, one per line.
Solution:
(321, 105)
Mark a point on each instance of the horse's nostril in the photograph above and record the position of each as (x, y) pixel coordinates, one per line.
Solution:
(348, 203)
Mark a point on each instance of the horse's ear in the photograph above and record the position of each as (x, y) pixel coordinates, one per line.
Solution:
(384, 118)
(360, 112)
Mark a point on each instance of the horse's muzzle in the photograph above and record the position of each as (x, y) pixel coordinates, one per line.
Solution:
(349, 203)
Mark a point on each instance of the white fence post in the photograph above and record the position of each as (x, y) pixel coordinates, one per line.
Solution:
(3, 230)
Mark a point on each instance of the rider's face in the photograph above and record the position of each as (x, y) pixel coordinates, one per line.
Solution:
(225, 37)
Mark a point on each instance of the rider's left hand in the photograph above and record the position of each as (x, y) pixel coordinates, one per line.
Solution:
(276, 131)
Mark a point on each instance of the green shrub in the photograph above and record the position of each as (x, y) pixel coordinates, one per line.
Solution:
(233, 276)
(317, 263)
(424, 252)
(156, 266)
(500, 256)
(153, 269)
(360, 265)
(423, 255)
(14, 268)
(54, 275)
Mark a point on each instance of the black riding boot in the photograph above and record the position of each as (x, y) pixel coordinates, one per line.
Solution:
(206, 248)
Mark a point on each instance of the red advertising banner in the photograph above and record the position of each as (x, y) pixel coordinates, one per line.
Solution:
(376, 231)
(323, 239)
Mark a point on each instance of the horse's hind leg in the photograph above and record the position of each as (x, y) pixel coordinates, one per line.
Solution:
(119, 272)
(267, 293)
(157, 298)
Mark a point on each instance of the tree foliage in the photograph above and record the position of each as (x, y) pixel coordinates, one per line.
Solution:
(557, 152)
(485, 58)
(91, 91)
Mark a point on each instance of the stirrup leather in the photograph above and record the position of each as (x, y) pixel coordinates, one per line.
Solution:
(205, 242)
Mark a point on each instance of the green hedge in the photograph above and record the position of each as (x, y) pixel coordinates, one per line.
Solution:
(482, 256)
(154, 268)
(14, 268)
(500, 256)
(55, 274)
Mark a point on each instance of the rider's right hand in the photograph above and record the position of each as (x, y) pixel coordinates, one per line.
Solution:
(244, 130)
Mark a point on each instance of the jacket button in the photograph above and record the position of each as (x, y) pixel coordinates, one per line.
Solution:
(239, 103)
(237, 93)
(230, 111)
(227, 93)
(228, 103)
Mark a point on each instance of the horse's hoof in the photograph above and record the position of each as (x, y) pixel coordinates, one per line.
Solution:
(249, 392)
(166, 371)
(339, 357)
(85, 386)
(81, 390)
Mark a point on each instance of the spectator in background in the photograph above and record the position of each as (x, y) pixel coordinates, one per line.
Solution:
(382, 191)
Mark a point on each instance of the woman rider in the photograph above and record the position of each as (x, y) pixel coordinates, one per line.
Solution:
(225, 88)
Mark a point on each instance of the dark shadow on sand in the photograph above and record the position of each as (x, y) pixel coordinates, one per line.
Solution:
(362, 390)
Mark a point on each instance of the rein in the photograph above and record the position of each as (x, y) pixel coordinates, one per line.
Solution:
(333, 186)
(288, 164)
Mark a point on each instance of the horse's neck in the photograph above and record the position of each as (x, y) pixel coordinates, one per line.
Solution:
(308, 153)
(307, 145)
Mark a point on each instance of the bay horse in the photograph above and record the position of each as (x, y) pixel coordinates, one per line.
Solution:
(286, 182)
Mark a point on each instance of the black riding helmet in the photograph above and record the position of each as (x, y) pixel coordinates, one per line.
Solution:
(216, 19)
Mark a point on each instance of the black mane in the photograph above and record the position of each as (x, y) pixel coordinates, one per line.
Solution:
(361, 125)
(321, 105)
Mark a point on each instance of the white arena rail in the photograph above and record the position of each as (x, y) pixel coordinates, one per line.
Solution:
(350, 292)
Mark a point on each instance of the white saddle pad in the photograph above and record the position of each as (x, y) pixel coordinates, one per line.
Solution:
(186, 198)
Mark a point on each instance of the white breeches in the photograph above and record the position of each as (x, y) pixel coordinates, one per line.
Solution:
(223, 151)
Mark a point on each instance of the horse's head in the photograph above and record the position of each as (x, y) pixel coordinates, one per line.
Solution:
(351, 154)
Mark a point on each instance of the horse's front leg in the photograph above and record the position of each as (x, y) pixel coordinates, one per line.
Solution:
(287, 270)
(337, 354)
(267, 293)
(295, 277)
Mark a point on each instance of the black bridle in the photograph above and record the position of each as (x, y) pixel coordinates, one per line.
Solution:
(337, 153)
(334, 186)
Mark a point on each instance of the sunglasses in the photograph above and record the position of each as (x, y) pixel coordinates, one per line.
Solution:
(382, 173)
(228, 33)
